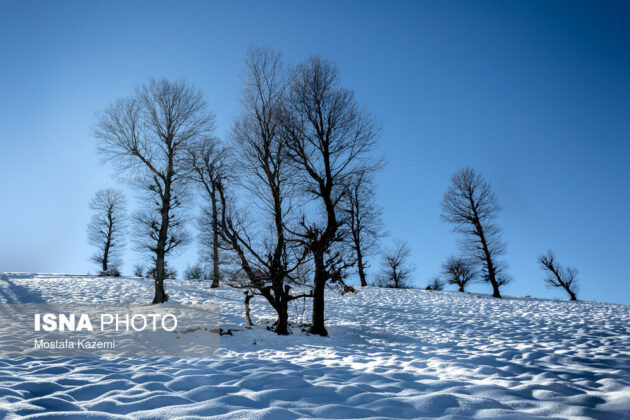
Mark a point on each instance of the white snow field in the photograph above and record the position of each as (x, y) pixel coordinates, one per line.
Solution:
(390, 354)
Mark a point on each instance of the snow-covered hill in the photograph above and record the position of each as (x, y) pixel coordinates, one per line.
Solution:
(390, 354)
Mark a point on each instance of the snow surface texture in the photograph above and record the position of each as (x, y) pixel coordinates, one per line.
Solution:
(390, 354)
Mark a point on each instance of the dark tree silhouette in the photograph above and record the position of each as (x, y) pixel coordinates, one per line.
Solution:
(329, 140)
(194, 272)
(363, 218)
(471, 206)
(208, 162)
(138, 270)
(146, 136)
(558, 276)
(458, 271)
(435, 284)
(106, 228)
(266, 256)
(396, 266)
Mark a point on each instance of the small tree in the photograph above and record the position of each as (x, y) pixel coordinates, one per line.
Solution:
(396, 266)
(138, 270)
(458, 271)
(194, 272)
(558, 276)
(435, 284)
(208, 163)
(106, 229)
(471, 206)
(363, 219)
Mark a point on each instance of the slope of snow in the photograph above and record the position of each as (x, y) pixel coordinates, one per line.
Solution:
(390, 354)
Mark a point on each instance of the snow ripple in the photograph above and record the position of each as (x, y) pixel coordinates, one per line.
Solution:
(390, 354)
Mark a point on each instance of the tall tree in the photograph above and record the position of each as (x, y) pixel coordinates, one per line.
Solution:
(146, 136)
(472, 208)
(208, 162)
(266, 256)
(558, 276)
(106, 228)
(329, 139)
(396, 266)
(459, 272)
(363, 218)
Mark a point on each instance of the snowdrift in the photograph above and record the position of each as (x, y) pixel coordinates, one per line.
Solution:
(390, 354)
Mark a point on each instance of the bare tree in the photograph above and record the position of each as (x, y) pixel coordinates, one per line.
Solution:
(435, 283)
(194, 272)
(471, 206)
(267, 257)
(138, 270)
(458, 271)
(363, 218)
(208, 162)
(106, 228)
(396, 266)
(558, 276)
(146, 136)
(329, 140)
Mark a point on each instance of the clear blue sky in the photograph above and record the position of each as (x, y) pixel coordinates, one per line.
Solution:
(534, 94)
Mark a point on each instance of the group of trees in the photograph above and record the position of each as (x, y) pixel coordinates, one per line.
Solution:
(287, 200)
(471, 207)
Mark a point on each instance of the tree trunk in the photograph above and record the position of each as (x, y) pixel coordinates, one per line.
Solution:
(105, 258)
(461, 287)
(160, 253)
(106, 254)
(571, 294)
(279, 301)
(319, 286)
(282, 328)
(108, 243)
(215, 240)
(486, 250)
(160, 295)
(492, 275)
(495, 288)
(360, 267)
(248, 319)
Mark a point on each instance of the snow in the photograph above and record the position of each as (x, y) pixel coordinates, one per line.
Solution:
(390, 354)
